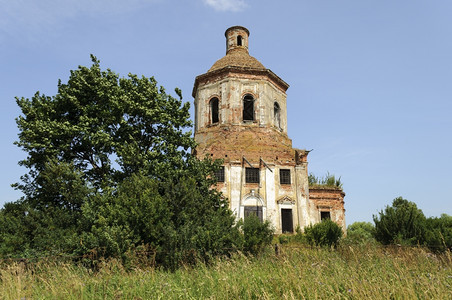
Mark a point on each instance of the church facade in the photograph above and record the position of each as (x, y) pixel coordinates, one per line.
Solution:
(241, 118)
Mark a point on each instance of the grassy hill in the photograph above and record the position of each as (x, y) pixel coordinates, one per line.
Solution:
(298, 272)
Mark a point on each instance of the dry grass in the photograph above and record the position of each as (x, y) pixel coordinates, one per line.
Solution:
(297, 273)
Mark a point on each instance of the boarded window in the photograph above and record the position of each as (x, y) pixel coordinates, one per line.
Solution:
(214, 110)
(284, 176)
(252, 175)
(248, 108)
(254, 211)
(219, 174)
(325, 215)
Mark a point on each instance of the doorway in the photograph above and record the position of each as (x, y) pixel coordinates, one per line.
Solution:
(286, 220)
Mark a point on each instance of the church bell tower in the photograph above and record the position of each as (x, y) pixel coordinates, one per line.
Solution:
(241, 118)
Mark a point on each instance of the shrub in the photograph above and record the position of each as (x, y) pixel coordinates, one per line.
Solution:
(439, 233)
(325, 233)
(329, 181)
(284, 239)
(360, 233)
(180, 223)
(257, 234)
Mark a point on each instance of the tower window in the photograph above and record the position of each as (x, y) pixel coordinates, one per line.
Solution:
(214, 109)
(248, 108)
(239, 40)
(325, 215)
(252, 175)
(219, 174)
(277, 115)
(284, 176)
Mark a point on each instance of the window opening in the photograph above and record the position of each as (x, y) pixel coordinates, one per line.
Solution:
(219, 174)
(252, 175)
(284, 176)
(248, 108)
(214, 110)
(277, 114)
(325, 215)
(239, 40)
(254, 211)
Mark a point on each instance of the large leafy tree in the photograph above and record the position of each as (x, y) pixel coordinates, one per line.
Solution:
(110, 168)
(106, 127)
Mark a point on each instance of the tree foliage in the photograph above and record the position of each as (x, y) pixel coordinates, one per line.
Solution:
(110, 169)
(439, 233)
(105, 127)
(360, 233)
(256, 234)
(325, 233)
(401, 223)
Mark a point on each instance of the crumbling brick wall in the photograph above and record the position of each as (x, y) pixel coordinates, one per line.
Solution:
(330, 200)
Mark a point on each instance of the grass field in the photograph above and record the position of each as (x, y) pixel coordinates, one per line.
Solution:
(297, 273)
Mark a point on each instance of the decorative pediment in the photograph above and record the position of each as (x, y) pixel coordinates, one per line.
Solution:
(286, 200)
(253, 198)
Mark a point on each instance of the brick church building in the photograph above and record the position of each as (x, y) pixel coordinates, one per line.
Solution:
(241, 118)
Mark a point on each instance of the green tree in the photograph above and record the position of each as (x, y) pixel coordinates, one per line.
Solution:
(401, 223)
(439, 233)
(110, 168)
(360, 233)
(105, 127)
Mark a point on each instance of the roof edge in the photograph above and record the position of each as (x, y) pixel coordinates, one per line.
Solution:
(242, 70)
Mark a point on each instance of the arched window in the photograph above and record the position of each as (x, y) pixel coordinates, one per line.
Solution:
(277, 115)
(239, 40)
(248, 108)
(214, 110)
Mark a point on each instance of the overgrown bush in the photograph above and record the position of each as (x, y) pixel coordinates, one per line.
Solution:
(438, 234)
(360, 233)
(325, 233)
(256, 234)
(328, 181)
(179, 222)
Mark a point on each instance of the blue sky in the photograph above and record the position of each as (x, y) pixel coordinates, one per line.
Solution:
(370, 81)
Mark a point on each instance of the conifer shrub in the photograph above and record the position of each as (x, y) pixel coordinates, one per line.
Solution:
(402, 223)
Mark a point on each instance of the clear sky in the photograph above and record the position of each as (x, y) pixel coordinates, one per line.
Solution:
(370, 81)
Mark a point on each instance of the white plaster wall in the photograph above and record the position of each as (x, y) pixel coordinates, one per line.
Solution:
(235, 195)
(272, 209)
(303, 208)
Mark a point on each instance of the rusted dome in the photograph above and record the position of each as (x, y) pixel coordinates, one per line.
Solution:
(237, 58)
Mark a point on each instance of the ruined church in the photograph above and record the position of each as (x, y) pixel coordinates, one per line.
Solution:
(241, 118)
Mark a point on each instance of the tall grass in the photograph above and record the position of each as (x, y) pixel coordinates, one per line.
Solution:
(296, 273)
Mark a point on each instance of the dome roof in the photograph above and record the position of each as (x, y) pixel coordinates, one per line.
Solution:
(237, 57)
